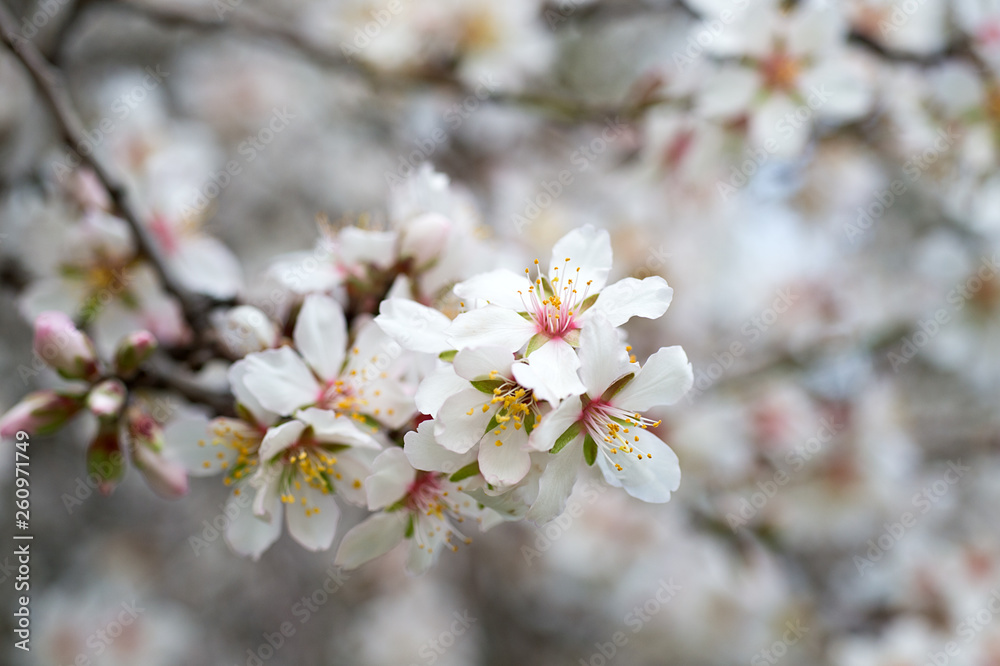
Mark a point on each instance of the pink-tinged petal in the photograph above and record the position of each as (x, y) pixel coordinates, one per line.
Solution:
(237, 382)
(556, 363)
(313, 523)
(603, 356)
(331, 428)
(425, 453)
(438, 387)
(373, 538)
(64, 348)
(478, 362)
(499, 287)
(555, 423)
(663, 380)
(462, 420)
(390, 479)
(166, 477)
(321, 335)
(556, 484)
(619, 302)
(280, 380)
(491, 326)
(589, 249)
(774, 125)
(247, 534)
(279, 438)
(414, 326)
(508, 463)
(728, 92)
(650, 479)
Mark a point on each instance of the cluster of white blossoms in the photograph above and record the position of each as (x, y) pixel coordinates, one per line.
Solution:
(385, 382)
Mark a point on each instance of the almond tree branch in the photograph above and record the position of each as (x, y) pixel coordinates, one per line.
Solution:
(53, 87)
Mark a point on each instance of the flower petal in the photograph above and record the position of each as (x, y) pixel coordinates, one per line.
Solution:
(321, 335)
(663, 380)
(508, 463)
(556, 484)
(425, 453)
(650, 479)
(499, 287)
(478, 362)
(390, 479)
(247, 534)
(630, 297)
(280, 438)
(331, 428)
(589, 249)
(280, 380)
(313, 522)
(556, 363)
(491, 326)
(237, 381)
(438, 387)
(414, 326)
(603, 357)
(462, 421)
(372, 538)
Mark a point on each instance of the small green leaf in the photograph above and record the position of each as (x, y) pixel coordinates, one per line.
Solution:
(448, 355)
(409, 527)
(587, 303)
(469, 470)
(487, 385)
(571, 433)
(589, 450)
(492, 424)
(529, 423)
(617, 386)
(535, 343)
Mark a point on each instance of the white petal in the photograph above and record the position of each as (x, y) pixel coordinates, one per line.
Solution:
(557, 362)
(193, 443)
(280, 438)
(372, 538)
(499, 287)
(352, 468)
(438, 387)
(491, 326)
(588, 249)
(665, 378)
(650, 479)
(477, 362)
(360, 246)
(387, 402)
(603, 357)
(374, 353)
(425, 453)
(630, 297)
(837, 89)
(555, 423)
(247, 534)
(421, 559)
(280, 380)
(774, 125)
(461, 421)
(508, 463)
(314, 531)
(321, 335)
(414, 326)
(237, 382)
(204, 264)
(728, 92)
(531, 377)
(814, 31)
(329, 428)
(556, 484)
(390, 479)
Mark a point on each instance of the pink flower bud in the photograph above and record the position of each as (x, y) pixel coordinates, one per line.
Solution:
(105, 459)
(107, 398)
(143, 430)
(167, 478)
(40, 413)
(64, 348)
(134, 349)
(245, 329)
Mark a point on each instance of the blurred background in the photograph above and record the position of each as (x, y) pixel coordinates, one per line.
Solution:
(816, 180)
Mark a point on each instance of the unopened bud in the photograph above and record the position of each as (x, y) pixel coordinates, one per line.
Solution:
(65, 348)
(107, 398)
(245, 329)
(40, 413)
(166, 477)
(134, 349)
(143, 430)
(105, 459)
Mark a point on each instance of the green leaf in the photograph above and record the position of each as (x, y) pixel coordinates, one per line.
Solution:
(409, 527)
(448, 355)
(469, 470)
(589, 450)
(536, 341)
(587, 303)
(571, 433)
(617, 386)
(492, 424)
(529, 423)
(487, 385)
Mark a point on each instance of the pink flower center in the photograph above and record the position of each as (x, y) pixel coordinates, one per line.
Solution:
(555, 306)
